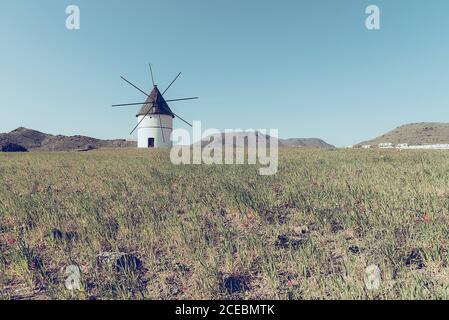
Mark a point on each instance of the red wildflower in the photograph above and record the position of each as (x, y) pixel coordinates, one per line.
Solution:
(425, 217)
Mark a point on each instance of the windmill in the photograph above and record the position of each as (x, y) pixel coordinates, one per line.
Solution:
(155, 118)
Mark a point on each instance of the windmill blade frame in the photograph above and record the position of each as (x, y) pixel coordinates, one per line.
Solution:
(151, 71)
(134, 86)
(162, 130)
(141, 103)
(181, 119)
(169, 86)
(149, 111)
(182, 99)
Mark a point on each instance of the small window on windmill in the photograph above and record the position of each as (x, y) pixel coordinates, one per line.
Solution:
(150, 142)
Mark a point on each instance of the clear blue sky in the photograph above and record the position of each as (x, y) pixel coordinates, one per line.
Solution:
(307, 67)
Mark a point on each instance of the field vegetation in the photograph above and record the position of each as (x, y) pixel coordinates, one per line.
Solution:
(139, 227)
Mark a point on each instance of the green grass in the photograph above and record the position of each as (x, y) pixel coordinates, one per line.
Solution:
(193, 227)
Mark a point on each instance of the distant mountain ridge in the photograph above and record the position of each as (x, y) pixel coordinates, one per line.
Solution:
(305, 142)
(424, 133)
(23, 139)
(33, 140)
(240, 142)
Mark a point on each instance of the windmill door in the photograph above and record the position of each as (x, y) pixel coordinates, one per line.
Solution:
(150, 142)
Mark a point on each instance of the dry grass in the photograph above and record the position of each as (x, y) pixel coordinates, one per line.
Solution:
(208, 232)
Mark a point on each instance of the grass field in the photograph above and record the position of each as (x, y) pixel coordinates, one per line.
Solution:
(141, 228)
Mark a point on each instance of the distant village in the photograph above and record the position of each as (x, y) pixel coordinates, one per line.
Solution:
(404, 146)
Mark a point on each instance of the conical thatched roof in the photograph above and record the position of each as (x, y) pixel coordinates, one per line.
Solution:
(156, 103)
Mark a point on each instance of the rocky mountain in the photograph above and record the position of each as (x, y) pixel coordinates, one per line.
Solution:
(424, 133)
(23, 139)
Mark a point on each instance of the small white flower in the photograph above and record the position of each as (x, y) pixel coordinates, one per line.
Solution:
(73, 281)
(372, 277)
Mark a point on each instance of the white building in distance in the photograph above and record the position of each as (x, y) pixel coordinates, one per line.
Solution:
(388, 145)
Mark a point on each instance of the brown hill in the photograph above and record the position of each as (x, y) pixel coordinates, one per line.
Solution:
(29, 139)
(414, 134)
(33, 140)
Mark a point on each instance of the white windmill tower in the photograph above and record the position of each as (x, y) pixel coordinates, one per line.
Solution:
(155, 118)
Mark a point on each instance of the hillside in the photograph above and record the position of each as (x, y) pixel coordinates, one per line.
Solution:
(414, 134)
(304, 142)
(23, 139)
(293, 142)
(33, 140)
